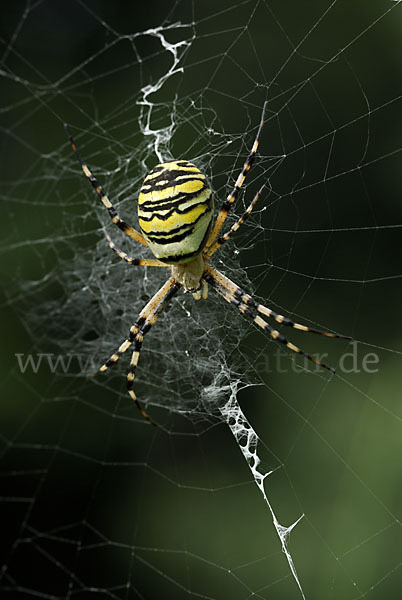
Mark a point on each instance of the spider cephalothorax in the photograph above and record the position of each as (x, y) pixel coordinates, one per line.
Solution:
(175, 210)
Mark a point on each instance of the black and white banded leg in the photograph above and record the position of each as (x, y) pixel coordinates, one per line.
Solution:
(146, 311)
(231, 199)
(226, 236)
(127, 229)
(170, 287)
(139, 262)
(248, 306)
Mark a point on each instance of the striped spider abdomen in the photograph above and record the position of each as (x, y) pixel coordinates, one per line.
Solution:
(175, 209)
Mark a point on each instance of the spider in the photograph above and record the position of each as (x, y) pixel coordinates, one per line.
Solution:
(175, 213)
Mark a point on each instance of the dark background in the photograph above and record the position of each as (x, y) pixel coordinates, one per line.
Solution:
(96, 502)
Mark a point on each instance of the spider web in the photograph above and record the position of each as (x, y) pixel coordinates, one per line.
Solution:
(94, 500)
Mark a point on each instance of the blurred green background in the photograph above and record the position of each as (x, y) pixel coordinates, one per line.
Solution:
(96, 502)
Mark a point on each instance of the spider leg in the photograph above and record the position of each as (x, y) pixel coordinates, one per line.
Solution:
(248, 306)
(127, 229)
(146, 311)
(139, 262)
(226, 206)
(170, 288)
(226, 236)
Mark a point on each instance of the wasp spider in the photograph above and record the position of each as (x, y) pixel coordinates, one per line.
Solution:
(175, 212)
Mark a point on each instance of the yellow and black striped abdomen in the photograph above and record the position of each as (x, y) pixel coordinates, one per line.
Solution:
(175, 209)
